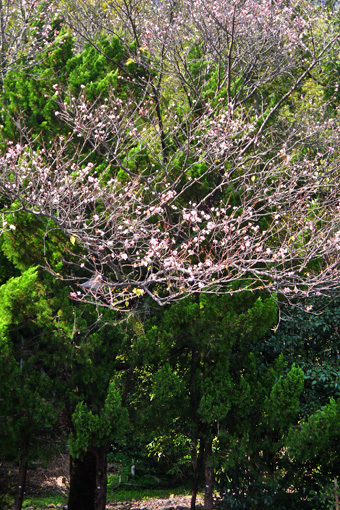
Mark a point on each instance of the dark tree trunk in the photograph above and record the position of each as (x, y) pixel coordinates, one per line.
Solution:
(336, 493)
(88, 480)
(197, 474)
(19, 496)
(208, 476)
(194, 403)
(82, 482)
(101, 478)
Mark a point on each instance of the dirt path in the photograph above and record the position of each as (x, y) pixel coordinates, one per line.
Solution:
(173, 503)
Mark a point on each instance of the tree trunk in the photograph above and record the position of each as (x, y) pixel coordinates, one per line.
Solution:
(208, 476)
(19, 496)
(336, 493)
(197, 474)
(82, 482)
(101, 478)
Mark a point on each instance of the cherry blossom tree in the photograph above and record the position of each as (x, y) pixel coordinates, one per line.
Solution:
(222, 171)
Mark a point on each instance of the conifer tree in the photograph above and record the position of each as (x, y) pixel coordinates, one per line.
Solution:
(206, 384)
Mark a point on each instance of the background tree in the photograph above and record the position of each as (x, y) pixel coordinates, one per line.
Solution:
(30, 347)
(207, 385)
(84, 376)
(315, 443)
(72, 358)
(308, 335)
(263, 471)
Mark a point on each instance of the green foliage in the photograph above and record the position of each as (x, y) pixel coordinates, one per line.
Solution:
(317, 439)
(283, 403)
(201, 375)
(32, 97)
(17, 309)
(252, 463)
(98, 71)
(282, 410)
(60, 73)
(309, 336)
(97, 429)
(27, 349)
(95, 70)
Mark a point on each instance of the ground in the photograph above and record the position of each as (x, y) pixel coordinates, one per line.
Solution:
(40, 478)
(53, 479)
(173, 503)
